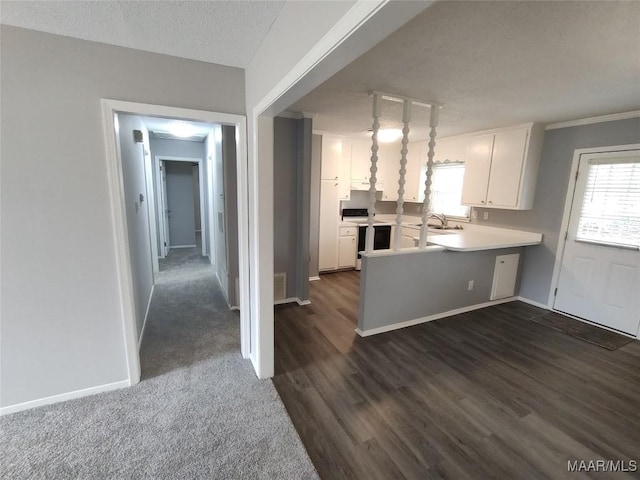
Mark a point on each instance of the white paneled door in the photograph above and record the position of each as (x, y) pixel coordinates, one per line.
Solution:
(599, 277)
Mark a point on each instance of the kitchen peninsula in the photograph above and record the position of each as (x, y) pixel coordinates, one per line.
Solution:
(466, 270)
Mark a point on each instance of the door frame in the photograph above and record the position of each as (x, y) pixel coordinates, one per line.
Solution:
(200, 162)
(568, 204)
(118, 215)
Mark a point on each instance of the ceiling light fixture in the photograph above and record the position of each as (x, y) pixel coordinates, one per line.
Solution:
(389, 135)
(182, 129)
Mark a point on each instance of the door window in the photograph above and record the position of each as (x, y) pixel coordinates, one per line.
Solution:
(610, 211)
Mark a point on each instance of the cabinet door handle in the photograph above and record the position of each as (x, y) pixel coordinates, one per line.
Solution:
(490, 202)
(335, 178)
(481, 201)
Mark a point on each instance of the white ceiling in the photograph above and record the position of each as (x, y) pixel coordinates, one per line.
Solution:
(223, 32)
(200, 129)
(493, 64)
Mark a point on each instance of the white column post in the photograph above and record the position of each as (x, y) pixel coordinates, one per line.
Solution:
(426, 206)
(372, 178)
(406, 119)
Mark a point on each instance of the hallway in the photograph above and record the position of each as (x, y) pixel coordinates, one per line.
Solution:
(199, 411)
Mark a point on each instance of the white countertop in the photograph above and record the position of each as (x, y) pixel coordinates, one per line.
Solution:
(477, 237)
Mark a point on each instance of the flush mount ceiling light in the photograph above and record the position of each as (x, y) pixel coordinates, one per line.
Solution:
(389, 135)
(182, 129)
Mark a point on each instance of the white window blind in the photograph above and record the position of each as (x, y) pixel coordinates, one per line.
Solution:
(446, 189)
(611, 204)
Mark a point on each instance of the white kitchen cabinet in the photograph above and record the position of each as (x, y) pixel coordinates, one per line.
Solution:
(389, 171)
(336, 164)
(328, 225)
(360, 160)
(347, 247)
(505, 274)
(501, 168)
(387, 174)
(477, 166)
(409, 232)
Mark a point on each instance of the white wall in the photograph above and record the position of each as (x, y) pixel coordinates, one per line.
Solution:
(62, 328)
(134, 176)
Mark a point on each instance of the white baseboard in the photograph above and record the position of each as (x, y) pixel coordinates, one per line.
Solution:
(63, 397)
(292, 300)
(235, 307)
(314, 279)
(429, 318)
(146, 315)
(182, 246)
(534, 303)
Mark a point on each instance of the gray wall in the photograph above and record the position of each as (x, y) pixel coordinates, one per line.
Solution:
(399, 288)
(314, 205)
(231, 209)
(292, 183)
(551, 190)
(133, 174)
(195, 178)
(176, 148)
(182, 227)
(62, 327)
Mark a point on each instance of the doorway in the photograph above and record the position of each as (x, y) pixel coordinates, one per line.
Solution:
(600, 266)
(111, 109)
(181, 187)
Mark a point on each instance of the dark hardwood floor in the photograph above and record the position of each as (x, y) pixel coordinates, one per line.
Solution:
(486, 394)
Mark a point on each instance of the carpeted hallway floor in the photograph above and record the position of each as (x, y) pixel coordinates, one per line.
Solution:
(199, 411)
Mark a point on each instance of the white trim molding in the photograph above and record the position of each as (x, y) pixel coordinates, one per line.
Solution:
(292, 300)
(146, 316)
(63, 397)
(534, 303)
(314, 279)
(592, 120)
(430, 318)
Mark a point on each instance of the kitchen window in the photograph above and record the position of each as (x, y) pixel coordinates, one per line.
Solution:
(446, 189)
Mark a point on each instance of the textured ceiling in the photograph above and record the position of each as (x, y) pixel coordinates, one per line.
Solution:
(223, 32)
(493, 64)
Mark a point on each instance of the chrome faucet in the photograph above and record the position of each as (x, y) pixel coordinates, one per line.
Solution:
(440, 216)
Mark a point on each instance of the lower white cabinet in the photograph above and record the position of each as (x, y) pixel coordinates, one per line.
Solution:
(347, 252)
(505, 274)
(329, 217)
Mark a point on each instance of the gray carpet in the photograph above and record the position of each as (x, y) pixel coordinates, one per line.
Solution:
(199, 411)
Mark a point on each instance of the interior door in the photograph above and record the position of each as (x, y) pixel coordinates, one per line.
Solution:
(165, 209)
(601, 261)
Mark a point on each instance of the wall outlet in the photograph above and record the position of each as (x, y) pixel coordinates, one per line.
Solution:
(418, 208)
(485, 215)
(471, 284)
(474, 214)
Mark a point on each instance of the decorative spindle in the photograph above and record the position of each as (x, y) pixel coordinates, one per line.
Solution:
(372, 178)
(406, 119)
(426, 205)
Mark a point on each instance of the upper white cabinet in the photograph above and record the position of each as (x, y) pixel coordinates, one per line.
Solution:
(501, 168)
(477, 166)
(360, 160)
(336, 164)
(389, 171)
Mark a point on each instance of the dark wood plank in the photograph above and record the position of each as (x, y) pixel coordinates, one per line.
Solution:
(485, 394)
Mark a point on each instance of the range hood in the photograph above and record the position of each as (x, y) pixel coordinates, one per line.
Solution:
(363, 185)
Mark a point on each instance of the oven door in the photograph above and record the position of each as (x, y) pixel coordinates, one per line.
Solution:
(381, 238)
